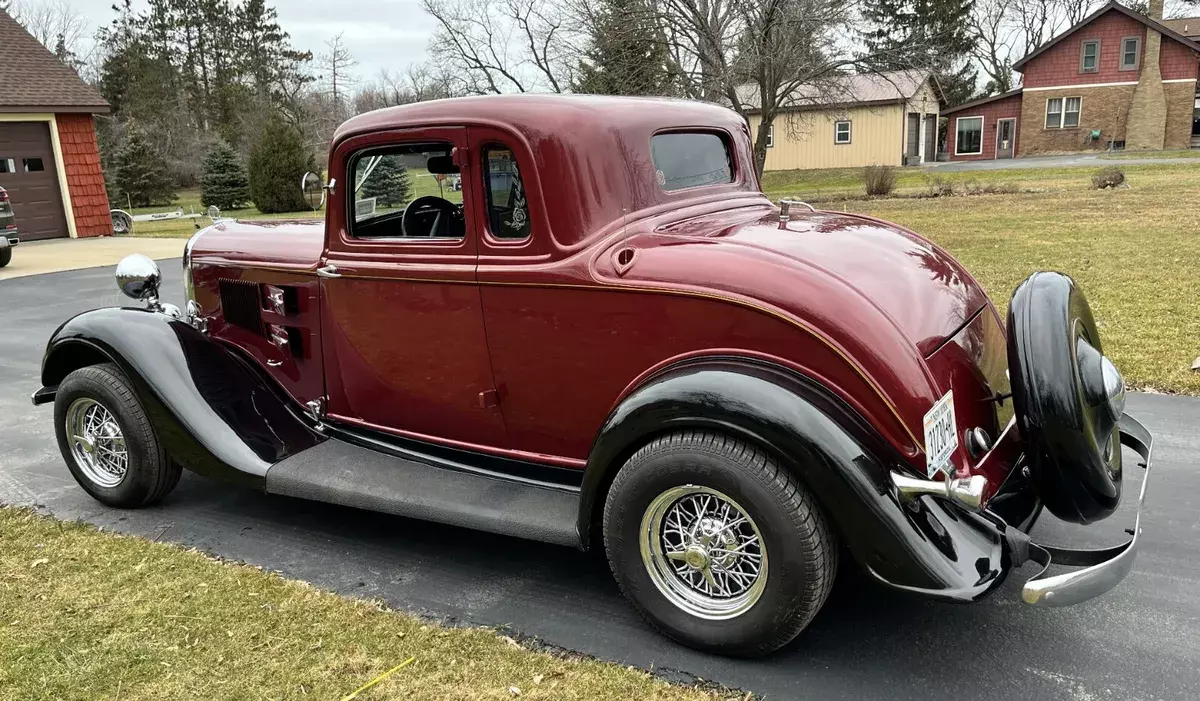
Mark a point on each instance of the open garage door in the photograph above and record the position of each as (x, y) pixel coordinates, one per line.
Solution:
(27, 172)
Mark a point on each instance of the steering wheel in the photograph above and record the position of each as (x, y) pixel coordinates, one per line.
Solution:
(442, 212)
(1068, 398)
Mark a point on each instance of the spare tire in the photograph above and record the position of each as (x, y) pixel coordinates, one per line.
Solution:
(1067, 398)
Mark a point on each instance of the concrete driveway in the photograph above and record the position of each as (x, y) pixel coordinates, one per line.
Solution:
(1069, 161)
(1140, 641)
(37, 257)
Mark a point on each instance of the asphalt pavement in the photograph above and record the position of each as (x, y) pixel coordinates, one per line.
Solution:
(1140, 641)
(1071, 160)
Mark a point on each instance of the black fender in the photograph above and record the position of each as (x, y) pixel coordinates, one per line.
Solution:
(216, 414)
(927, 546)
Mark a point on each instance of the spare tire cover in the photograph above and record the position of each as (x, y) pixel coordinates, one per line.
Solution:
(1065, 420)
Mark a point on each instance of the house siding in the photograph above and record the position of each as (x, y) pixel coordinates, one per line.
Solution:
(85, 178)
(1059, 65)
(1105, 108)
(804, 139)
(1008, 108)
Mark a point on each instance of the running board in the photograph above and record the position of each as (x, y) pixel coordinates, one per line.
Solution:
(343, 473)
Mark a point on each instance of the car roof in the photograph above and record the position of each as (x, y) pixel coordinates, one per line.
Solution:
(594, 164)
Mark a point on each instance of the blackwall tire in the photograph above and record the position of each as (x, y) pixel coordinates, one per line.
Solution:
(97, 418)
(5, 256)
(798, 550)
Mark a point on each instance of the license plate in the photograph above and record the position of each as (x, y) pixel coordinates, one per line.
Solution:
(941, 436)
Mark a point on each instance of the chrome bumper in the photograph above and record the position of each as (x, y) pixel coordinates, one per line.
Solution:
(8, 238)
(1102, 569)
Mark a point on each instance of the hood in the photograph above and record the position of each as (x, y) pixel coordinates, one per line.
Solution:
(916, 284)
(289, 243)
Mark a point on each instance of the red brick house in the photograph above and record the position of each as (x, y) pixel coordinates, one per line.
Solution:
(1118, 79)
(49, 160)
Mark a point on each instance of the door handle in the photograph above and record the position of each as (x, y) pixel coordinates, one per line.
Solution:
(328, 270)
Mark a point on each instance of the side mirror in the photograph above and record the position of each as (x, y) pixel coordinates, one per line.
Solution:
(314, 190)
(138, 277)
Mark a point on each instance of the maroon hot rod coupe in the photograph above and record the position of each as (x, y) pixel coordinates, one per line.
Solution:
(591, 328)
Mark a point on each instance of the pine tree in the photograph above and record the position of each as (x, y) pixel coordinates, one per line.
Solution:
(224, 181)
(389, 183)
(931, 35)
(277, 163)
(627, 54)
(140, 174)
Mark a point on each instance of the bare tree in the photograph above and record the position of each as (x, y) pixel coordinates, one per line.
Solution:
(496, 46)
(336, 66)
(59, 27)
(420, 82)
(1006, 30)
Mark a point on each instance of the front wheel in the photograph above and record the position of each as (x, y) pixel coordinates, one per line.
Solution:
(716, 545)
(107, 440)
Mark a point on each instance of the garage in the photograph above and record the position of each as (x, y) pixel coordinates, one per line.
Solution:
(49, 157)
(28, 173)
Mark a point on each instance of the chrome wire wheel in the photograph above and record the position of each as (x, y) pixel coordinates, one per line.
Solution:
(703, 552)
(96, 441)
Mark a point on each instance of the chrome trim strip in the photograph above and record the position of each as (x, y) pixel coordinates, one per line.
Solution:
(1103, 569)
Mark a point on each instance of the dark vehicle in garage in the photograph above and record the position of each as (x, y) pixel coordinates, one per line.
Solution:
(627, 347)
(9, 235)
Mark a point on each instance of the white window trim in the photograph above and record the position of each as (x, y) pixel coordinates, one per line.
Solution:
(849, 132)
(1062, 112)
(982, 123)
(1080, 86)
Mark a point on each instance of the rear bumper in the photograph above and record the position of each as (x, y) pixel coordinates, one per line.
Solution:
(995, 541)
(9, 238)
(1102, 569)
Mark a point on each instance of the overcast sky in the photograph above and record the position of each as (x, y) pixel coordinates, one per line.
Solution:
(382, 33)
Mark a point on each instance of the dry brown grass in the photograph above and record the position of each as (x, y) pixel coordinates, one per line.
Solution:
(91, 615)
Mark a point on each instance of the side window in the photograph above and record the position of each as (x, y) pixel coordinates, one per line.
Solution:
(406, 191)
(508, 210)
(33, 165)
(7, 165)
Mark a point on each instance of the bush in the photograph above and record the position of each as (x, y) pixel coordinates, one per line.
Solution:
(879, 180)
(1109, 176)
(140, 173)
(278, 161)
(224, 181)
(939, 186)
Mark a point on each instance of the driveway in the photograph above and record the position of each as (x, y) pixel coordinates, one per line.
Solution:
(37, 257)
(1068, 161)
(1142, 640)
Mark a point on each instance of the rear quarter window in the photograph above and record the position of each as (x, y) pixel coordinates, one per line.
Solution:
(690, 159)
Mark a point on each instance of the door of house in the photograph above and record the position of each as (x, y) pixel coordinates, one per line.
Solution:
(912, 149)
(1006, 137)
(931, 137)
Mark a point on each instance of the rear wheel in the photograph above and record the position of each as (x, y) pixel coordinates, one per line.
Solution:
(716, 545)
(5, 256)
(107, 440)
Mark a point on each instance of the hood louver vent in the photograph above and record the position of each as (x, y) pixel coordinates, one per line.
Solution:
(241, 304)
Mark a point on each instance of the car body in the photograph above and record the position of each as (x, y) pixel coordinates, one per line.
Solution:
(9, 235)
(626, 346)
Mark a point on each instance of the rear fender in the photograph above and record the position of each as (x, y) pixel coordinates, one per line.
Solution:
(214, 413)
(927, 545)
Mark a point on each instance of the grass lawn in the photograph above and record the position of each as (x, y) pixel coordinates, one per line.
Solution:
(1133, 251)
(92, 615)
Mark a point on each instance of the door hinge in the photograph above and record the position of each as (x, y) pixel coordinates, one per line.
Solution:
(458, 156)
(316, 411)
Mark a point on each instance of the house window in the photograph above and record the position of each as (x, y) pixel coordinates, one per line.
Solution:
(1131, 53)
(1063, 112)
(968, 139)
(33, 165)
(7, 165)
(770, 136)
(841, 132)
(1089, 56)
(1071, 112)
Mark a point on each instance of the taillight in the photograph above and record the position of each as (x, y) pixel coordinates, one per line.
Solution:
(3, 196)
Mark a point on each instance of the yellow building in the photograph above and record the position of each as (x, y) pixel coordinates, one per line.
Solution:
(886, 119)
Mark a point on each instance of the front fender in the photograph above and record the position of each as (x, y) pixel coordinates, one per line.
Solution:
(214, 413)
(927, 546)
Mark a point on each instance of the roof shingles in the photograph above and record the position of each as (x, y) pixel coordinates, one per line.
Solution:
(33, 79)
